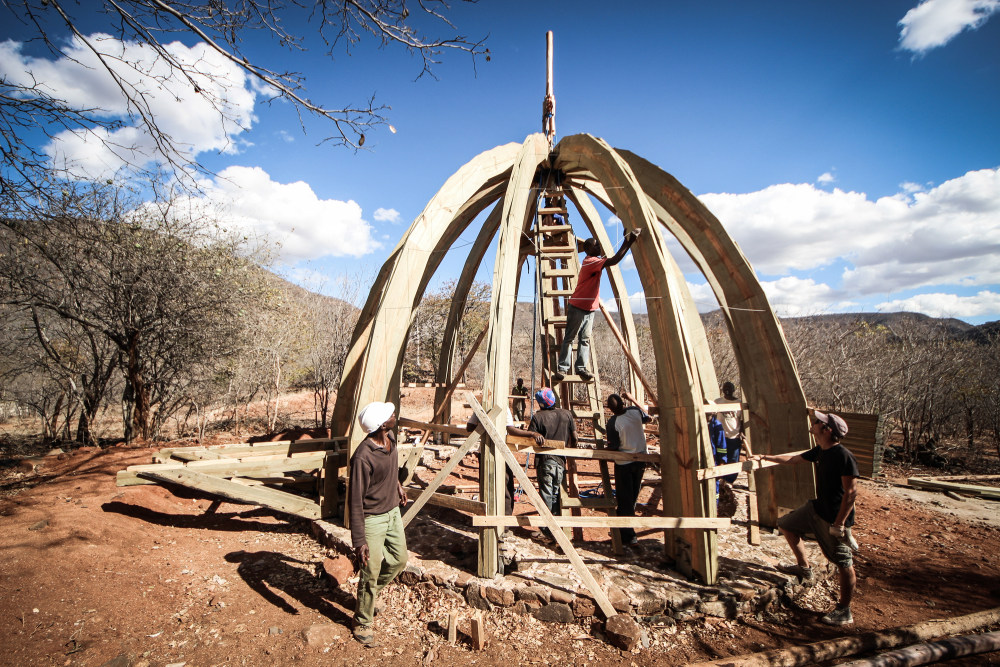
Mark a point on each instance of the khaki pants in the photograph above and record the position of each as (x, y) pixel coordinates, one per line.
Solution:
(386, 559)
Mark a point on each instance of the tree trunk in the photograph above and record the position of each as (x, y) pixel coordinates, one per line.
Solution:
(922, 654)
(870, 641)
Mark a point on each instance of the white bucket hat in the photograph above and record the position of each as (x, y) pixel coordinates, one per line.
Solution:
(374, 415)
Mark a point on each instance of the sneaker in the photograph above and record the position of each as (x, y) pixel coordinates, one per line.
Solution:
(585, 376)
(557, 378)
(796, 570)
(634, 542)
(839, 616)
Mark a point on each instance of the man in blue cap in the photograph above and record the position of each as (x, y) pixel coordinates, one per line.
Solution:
(553, 424)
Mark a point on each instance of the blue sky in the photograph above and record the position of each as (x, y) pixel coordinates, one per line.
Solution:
(851, 149)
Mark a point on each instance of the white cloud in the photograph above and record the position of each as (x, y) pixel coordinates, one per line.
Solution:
(947, 235)
(291, 214)
(386, 215)
(934, 23)
(613, 221)
(938, 304)
(209, 119)
(826, 177)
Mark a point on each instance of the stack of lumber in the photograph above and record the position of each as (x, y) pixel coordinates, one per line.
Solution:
(269, 474)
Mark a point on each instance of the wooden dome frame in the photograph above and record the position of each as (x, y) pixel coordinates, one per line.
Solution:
(644, 197)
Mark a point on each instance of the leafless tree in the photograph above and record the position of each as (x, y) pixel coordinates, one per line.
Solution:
(28, 104)
(167, 289)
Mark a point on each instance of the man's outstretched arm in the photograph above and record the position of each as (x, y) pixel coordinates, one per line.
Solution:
(620, 255)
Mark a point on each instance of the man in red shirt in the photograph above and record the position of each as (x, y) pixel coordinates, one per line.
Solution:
(584, 303)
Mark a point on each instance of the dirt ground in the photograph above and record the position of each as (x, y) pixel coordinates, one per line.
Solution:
(92, 574)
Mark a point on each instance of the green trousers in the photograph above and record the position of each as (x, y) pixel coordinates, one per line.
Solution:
(386, 559)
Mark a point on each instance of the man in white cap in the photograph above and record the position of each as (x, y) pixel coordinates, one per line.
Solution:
(830, 516)
(376, 525)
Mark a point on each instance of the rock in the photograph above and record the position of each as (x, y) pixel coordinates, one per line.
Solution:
(502, 597)
(648, 603)
(622, 631)
(618, 598)
(555, 581)
(532, 594)
(39, 525)
(322, 634)
(526, 606)
(274, 630)
(411, 575)
(474, 596)
(718, 608)
(555, 612)
(426, 587)
(583, 607)
(681, 600)
(123, 660)
(558, 595)
(338, 570)
(463, 579)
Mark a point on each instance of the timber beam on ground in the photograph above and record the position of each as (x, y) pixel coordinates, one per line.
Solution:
(943, 484)
(280, 501)
(639, 522)
(251, 467)
(244, 449)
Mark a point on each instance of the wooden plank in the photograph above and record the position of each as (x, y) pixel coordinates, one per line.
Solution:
(430, 385)
(478, 631)
(712, 408)
(991, 493)
(647, 522)
(452, 627)
(451, 502)
(753, 513)
(526, 486)
(636, 367)
(425, 495)
(426, 426)
(521, 442)
(739, 466)
(595, 454)
(280, 501)
(133, 476)
(557, 273)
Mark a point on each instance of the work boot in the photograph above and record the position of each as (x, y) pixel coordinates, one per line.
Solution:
(585, 376)
(805, 574)
(557, 378)
(839, 616)
(364, 634)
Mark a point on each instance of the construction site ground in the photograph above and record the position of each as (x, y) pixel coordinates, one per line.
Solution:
(93, 574)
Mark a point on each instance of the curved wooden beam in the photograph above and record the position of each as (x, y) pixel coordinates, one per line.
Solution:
(683, 431)
(518, 203)
(770, 382)
(372, 369)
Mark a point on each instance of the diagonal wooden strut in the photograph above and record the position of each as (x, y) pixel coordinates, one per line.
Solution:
(543, 511)
(471, 441)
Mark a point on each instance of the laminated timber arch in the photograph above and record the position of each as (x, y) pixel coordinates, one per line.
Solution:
(643, 197)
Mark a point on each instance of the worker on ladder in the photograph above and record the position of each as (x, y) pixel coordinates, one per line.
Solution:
(584, 302)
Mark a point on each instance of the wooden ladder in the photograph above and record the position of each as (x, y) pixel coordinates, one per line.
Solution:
(558, 265)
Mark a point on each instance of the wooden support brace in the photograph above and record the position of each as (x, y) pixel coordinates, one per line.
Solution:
(452, 627)
(753, 513)
(650, 394)
(426, 426)
(739, 466)
(474, 507)
(567, 547)
(648, 522)
(442, 475)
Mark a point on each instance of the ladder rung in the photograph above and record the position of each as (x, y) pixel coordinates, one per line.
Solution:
(556, 319)
(557, 273)
(575, 378)
(567, 249)
(583, 414)
(551, 210)
(554, 229)
(557, 292)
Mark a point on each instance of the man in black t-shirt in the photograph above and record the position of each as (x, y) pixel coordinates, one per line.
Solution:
(831, 514)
